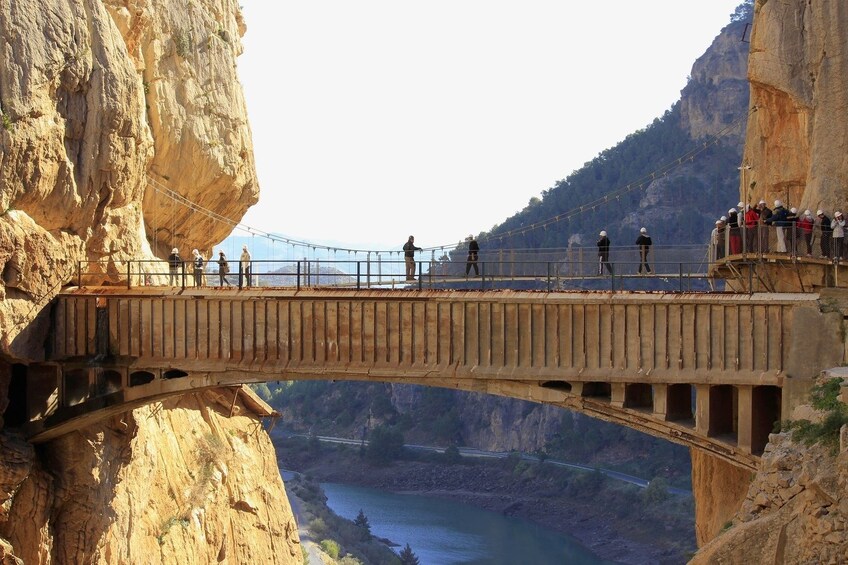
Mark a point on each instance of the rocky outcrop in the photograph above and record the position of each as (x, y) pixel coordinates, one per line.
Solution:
(718, 489)
(796, 138)
(115, 115)
(716, 96)
(795, 511)
(123, 131)
(175, 482)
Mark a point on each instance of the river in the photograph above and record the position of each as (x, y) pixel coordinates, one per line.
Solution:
(444, 532)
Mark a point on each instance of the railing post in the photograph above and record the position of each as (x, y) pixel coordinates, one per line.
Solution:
(358, 287)
(482, 275)
(548, 267)
(183, 275)
(420, 269)
(680, 270)
(129, 275)
(79, 274)
(297, 284)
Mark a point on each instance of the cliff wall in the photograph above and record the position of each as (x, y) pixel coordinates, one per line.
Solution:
(795, 140)
(111, 111)
(180, 481)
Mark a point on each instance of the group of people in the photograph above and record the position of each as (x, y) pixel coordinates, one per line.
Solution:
(409, 249)
(747, 229)
(176, 267)
(643, 242)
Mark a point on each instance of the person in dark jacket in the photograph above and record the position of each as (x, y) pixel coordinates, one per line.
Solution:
(644, 242)
(409, 250)
(765, 214)
(603, 253)
(735, 246)
(779, 218)
(824, 242)
(223, 269)
(175, 262)
(473, 250)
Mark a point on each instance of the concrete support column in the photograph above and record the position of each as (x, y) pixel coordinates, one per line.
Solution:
(702, 409)
(660, 409)
(744, 417)
(617, 391)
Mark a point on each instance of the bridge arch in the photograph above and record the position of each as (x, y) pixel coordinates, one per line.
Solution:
(708, 371)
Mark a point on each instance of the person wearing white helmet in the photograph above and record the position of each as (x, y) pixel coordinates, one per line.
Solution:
(644, 242)
(603, 253)
(175, 263)
(197, 261)
(792, 231)
(735, 239)
(779, 220)
(762, 227)
(837, 225)
(717, 241)
(245, 267)
(805, 231)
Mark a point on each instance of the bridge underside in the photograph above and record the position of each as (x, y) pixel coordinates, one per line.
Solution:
(714, 372)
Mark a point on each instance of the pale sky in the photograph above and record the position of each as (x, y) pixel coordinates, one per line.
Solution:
(376, 119)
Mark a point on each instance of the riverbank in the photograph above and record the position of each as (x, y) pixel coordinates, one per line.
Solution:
(619, 522)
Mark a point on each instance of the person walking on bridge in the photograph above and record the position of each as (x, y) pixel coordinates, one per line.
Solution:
(644, 242)
(409, 250)
(603, 253)
(824, 239)
(245, 269)
(175, 262)
(473, 250)
(197, 264)
(223, 269)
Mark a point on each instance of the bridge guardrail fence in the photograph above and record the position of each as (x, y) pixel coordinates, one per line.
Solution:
(672, 268)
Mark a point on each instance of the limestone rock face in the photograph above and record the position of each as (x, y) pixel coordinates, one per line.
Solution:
(718, 89)
(718, 488)
(112, 113)
(795, 510)
(175, 482)
(185, 55)
(796, 139)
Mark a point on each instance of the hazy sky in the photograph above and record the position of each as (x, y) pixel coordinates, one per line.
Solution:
(376, 119)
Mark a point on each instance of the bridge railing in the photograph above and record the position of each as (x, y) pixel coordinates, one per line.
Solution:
(680, 268)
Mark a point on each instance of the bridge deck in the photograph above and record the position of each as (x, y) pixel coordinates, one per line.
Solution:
(706, 370)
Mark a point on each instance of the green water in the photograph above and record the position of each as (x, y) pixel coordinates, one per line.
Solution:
(444, 532)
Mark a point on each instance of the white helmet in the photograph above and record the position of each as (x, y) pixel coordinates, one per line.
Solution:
(723, 218)
(643, 230)
(807, 213)
(732, 211)
(603, 233)
(740, 205)
(175, 250)
(794, 210)
(778, 203)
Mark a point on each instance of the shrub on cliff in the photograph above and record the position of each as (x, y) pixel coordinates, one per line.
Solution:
(824, 397)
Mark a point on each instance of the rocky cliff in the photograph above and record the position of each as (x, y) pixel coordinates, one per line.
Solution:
(795, 140)
(178, 481)
(114, 114)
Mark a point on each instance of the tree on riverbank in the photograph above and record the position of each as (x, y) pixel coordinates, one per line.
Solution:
(408, 557)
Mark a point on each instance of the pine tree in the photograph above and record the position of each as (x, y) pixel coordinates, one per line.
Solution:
(362, 521)
(407, 557)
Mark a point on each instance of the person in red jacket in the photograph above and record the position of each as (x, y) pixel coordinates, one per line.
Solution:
(752, 220)
(805, 228)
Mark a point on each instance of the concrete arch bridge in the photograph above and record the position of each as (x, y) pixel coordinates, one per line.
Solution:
(710, 371)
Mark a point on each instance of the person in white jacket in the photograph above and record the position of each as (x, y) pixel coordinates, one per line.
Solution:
(245, 270)
(838, 235)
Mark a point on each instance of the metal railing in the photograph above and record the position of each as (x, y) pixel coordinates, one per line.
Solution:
(754, 242)
(678, 268)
